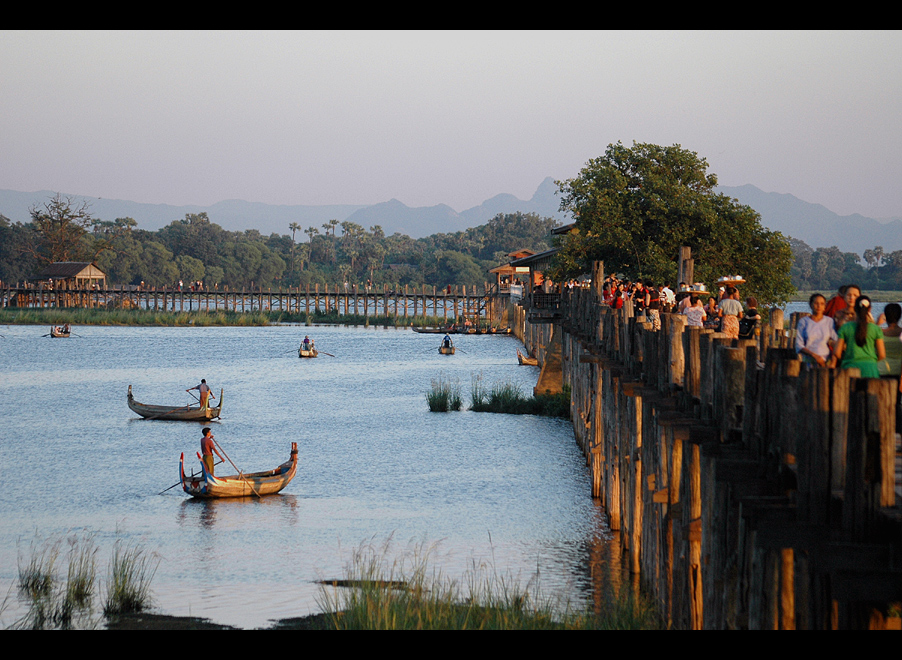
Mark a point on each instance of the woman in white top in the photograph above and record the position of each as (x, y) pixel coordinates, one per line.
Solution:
(695, 312)
(815, 334)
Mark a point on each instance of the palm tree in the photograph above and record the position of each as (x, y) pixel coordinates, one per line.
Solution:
(294, 227)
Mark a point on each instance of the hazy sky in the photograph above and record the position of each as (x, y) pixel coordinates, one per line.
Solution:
(443, 117)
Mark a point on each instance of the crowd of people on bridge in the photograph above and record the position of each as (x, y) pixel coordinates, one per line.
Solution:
(839, 332)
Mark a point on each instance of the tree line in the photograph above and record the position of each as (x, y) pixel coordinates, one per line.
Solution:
(195, 248)
(828, 268)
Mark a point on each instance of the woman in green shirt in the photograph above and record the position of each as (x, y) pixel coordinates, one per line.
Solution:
(860, 343)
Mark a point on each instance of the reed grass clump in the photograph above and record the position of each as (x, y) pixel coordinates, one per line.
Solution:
(57, 603)
(51, 602)
(444, 396)
(131, 572)
(507, 397)
(380, 593)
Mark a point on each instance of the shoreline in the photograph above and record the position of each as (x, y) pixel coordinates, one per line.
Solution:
(154, 621)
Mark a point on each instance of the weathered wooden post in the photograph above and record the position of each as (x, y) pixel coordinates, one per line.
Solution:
(686, 269)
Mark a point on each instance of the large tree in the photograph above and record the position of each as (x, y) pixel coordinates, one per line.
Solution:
(635, 206)
(60, 231)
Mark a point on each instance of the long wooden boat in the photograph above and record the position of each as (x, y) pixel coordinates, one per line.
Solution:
(311, 353)
(437, 331)
(525, 359)
(254, 484)
(183, 413)
(446, 350)
(58, 332)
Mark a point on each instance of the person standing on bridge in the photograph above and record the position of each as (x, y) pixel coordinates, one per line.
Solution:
(860, 343)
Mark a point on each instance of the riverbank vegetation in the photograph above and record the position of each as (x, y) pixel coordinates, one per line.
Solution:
(76, 316)
(825, 269)
(54, 602)
(502, 397)
(380, 593)
(508, 397)
(196, 249)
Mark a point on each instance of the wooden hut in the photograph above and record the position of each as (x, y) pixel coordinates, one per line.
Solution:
(74, 275)
(508, 275)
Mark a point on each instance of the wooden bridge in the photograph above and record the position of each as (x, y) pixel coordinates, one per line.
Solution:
(453, 302)
(747, 490)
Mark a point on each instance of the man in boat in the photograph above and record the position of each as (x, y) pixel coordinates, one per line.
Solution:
(307, 343)
(446, 342)
(205, 392)
(207, 448)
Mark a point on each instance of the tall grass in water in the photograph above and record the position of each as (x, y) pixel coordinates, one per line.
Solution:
(508, 398)
(149, 317)
(51, 602)
(131, 572)
(444, 395)
(54, 603)
(409, 594)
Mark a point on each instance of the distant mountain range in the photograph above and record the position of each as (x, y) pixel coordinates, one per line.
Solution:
(817, 225)
(812, 223)
(237, 215)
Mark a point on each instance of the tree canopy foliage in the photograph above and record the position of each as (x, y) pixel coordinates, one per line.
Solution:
(828, 268)
(195, 249)
(635, 206)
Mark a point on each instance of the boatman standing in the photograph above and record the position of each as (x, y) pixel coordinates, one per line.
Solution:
(205, 392)
(207, 447)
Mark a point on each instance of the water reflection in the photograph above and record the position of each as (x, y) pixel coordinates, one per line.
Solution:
(374, 463)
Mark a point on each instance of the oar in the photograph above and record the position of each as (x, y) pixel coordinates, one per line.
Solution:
(240, 472)
(324, 353)
(179, 482)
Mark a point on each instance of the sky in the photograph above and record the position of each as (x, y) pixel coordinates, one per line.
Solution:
(436, 117)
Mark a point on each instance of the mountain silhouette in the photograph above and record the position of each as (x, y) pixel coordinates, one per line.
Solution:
(813, 223)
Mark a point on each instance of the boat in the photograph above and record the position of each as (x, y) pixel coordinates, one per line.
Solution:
(525, 359)
(59, 332)
(183, 413)
(437, 331)
(257, 484)
(307, 353)
(446, 350)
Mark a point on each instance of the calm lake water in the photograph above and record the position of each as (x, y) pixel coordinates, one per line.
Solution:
(374, 463)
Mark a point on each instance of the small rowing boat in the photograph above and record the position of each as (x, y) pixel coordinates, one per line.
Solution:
(59, 332)
(307, 353)
(446, 350)
(182, 413)
(258, 484)
(525, 359)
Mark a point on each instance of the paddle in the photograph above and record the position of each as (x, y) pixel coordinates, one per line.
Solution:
(324, 353)
(240, 472)
(179, 482)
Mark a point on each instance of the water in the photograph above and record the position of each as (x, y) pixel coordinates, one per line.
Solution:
(374, 464)
(876, 311)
